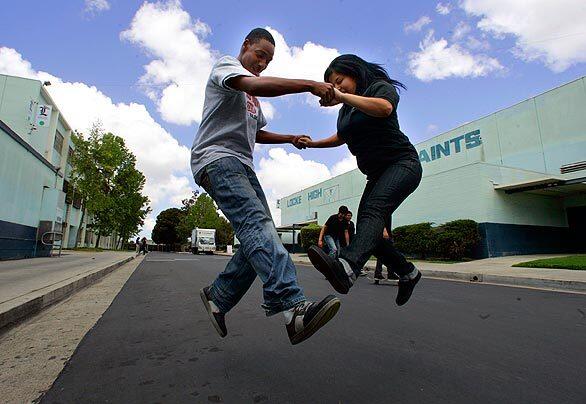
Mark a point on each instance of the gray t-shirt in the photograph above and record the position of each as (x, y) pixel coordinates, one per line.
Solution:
(230, 120)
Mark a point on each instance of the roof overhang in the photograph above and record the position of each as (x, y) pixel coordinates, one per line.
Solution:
(551, 186)
(296, 226)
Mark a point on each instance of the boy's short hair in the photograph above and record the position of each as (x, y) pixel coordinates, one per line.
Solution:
(343, 209)
(259, 33)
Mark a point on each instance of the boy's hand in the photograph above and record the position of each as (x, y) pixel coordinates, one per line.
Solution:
(325, 91)
(305, 142)
(300, 141)
(337, 99)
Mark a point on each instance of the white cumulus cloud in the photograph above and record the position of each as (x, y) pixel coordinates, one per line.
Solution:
(348, 163)
(553, 32)
(161, 158)
(96, 6)
(182, 58)
(438, 60)
(176, 77)
(309, 62)
(443, 9)
(275, 174)
(460, 31)
(417, 25)
(306, 62)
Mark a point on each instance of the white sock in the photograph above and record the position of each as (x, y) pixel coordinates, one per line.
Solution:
(348, 270)
(213, 307)
(289, 315)
(412, 274)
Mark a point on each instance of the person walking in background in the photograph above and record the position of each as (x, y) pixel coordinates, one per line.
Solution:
(143, 246)
(137, 245)
(378, 272)
(351, 231)
(335, 229)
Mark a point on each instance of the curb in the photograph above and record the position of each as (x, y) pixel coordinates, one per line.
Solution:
(502, 280)
(35, 305)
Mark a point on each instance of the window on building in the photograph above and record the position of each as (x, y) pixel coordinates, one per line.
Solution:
(77, 200)
(68, 189)
(69, 155)
(58, 143)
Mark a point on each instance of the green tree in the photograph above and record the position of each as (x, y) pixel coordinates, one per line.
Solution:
(130, 206)
(105, 176)
(224, 233)
(201, 211)
(184, 228)
(166, 227)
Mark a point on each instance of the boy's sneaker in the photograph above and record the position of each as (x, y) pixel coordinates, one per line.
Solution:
(331, 268)
(378, 275)
(216, 317)
(308, 317)
(406, 287)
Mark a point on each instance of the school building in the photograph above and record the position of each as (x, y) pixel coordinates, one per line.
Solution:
(519, 172)
(38, 208)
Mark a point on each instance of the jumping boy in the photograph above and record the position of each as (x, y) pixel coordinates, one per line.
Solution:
(221, 162)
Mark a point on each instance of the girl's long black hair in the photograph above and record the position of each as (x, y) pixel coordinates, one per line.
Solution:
(365, 73)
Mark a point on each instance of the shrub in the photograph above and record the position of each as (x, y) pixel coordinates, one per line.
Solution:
(456, 240)
(453, 240)
(416, 239)
(309, 235)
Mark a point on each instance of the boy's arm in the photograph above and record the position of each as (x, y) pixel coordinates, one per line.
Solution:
(276, 86)
(266, 137)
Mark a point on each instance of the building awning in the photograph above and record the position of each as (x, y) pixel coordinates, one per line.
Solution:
(296, 226)
(551, 186)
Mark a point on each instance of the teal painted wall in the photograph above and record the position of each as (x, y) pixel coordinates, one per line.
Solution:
(527, 141)
(22, 178)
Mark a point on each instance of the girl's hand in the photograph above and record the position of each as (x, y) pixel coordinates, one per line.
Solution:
(337, 99)
(305, 142)
(320, 243)
(300, 141)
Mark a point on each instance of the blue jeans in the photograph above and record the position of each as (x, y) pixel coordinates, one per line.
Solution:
(237, 192)
(333, 245)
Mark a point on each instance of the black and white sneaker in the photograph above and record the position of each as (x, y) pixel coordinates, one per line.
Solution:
(331, 268)
(216, 317)
(406, 287)
(309, 317)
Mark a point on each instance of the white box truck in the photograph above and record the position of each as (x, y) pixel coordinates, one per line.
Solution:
(203, 240)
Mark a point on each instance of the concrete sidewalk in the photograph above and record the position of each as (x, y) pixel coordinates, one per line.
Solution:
(29, 285)
(497, 271)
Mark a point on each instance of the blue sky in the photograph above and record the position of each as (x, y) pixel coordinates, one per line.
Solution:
(459, 59)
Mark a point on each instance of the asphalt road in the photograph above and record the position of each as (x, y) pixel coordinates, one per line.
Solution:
(452, 343)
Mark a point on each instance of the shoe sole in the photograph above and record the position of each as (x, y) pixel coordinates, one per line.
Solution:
(325, 314)
(204, 298)
(320, 263)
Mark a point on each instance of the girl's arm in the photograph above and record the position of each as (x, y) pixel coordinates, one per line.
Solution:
(377, 107)
(332, 141)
